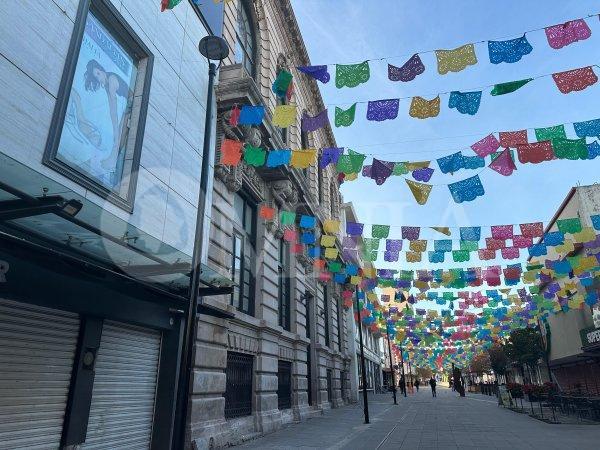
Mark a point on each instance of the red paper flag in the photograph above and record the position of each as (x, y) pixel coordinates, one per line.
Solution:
(575, 80)
(513, 138)
(535, 153)
(266, 212)
(235, 116)
(231, 152)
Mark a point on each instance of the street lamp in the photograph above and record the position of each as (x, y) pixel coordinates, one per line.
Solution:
(213, 48)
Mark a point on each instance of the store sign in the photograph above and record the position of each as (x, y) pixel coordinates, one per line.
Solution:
(4, 266)
(590, 336)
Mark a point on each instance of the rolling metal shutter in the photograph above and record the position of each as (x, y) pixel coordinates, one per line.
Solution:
(37, 349)
(126, 371)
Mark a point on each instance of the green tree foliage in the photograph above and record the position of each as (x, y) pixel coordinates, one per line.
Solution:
(424, 373)
(480, 364)
(524, 347)
(498, 359)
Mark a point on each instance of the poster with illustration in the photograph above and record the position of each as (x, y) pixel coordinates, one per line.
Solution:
(94, 135)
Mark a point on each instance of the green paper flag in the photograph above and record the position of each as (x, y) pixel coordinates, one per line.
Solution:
(569, 225)
(335, 266)
(345, 118)
(350, 163)
(254, 156)
(507, 88)
(550, 133)
(570, 148)
(287, 218)
(400, 169)
(469, 246)
(371, 256)
(282, 83)
(380, 231)
(460, 255)
(370, 244)
(351, 75)
(168, 4)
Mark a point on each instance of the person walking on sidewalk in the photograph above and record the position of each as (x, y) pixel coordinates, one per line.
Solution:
(402, 385)
(432, 383)
(417, 384)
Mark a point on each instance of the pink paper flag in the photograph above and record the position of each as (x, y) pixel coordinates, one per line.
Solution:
(510, 252)
(532, 230)
(494, 244)
(513, 138)
(486, 146)
(520, 241)
(503, 164)
(486, 254)
(565, 34)
(502, 231)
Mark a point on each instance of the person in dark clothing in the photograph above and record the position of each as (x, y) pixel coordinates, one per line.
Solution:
(417, 384)
(432, 383)
(403, 385)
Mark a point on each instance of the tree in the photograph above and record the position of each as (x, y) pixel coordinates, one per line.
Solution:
(498, 359)
(424, 373)
(480, 364)
(524, 348)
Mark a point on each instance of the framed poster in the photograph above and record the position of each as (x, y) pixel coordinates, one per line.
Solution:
(98, 123)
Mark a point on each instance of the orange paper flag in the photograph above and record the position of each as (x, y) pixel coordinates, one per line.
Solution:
(231, 152)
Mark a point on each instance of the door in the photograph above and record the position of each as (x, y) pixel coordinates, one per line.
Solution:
(37, 351)
(124, 392)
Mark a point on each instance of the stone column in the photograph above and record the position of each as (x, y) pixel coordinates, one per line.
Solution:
(268, 417)
(300, 406)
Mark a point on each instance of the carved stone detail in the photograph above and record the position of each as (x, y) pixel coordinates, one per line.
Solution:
(305, 262)
(284, 193)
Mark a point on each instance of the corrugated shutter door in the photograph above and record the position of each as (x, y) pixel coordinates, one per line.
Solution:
(124, 390)
(37, 349)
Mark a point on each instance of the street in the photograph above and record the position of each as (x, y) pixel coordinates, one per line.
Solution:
(422, 422)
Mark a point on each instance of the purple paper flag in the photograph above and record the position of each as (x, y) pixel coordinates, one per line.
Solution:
(380, 110)
(330, 156)
(381, 170)
(317, 72)
(391, 256)
(411, 233)
(354, 229)
(366, 171)
(411, 68)
(393, 245)
(349, 242)
(349, 254)
(423, 174)
(314, 123)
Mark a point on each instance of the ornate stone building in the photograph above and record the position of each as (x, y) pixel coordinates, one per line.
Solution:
(284, 355)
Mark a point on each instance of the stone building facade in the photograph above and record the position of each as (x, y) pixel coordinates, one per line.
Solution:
(284, 355)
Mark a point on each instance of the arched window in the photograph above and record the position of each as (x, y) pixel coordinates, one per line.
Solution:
(245, 40)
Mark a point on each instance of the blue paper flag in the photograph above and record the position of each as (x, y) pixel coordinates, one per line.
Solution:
(278, 158)
(436, 257)
(589, 128)
(451, 163)
(442, 245)
(473, 162)
(251, 115)
(470, 233)
(509, 51)
(466, 190)
(308, 221)
(314, 252)
(308, 238)
(339, 278)
(554, 238)
(537, 250)
(596, 222)
(317, 72)
(593, 150)
(465, 102)
(351, 269)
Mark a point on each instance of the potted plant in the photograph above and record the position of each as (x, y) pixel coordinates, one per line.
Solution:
(515, 389)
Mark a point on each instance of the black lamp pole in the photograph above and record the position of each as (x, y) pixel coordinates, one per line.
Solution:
(391, 365)
(362, 361)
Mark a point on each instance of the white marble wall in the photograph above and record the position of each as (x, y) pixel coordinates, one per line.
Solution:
(34, 39)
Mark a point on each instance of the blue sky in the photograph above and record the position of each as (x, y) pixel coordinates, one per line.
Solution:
(349, 31)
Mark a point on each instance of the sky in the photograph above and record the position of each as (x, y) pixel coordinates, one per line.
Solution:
(351, 31)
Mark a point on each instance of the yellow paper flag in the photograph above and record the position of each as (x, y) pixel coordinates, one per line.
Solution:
(355, 280)
(350, 176)
(585, 235)
(331, 253)
(455, 60)
(410, 166)
(301, 159)
(421, 108)
(420, 191)
(331, 226)
(413, 256)
(565, 248)
(284, 115)
(418, 245)
(327, 241)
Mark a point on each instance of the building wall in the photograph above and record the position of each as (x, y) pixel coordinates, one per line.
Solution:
(31, 64)
(279, 46)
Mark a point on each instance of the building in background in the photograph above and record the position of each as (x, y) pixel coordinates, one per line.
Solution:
(572, 334)
(284, 355)
(103, 112)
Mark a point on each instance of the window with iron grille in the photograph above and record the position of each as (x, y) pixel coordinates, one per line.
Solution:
(244, 238)
(326, 315)
(283, 268)
(343, 383)
(238, 388)
(329, 385)
(284, 385)
(340, 325)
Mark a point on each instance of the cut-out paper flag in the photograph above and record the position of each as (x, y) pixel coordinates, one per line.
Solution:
(409, 71)
(419, 245)
(308, 238)
(502, 231)
(550, 133)
(329, 155)
(344, 118)
(423, 174)
(522, 241)
(513, 138)
(569, 225)
(380, 231)
(567, 33)
(351, 75)
(442, 245)
(287, 218)
(279, 158)
(331, 226)
(570, 149)
(331, 253)
(473, 162)
(510, 253)
(317, 72)
(575, 80)
(354, 229)
(589, 128)
(421, 108)
(503, 164)
(251, 115)
(168, 4)
(593, 149)
(266, 212)
(451, 163)
(470, 233)
(380, 110)
(282, 83)
(455, 60)
(381, 170)
(314, 123)
(486, 254)
(436, 257)
(308, 221)
(443, 230)
(391, 256)
(460, 255)
(393, 245)
(537, 250)
(511, 86)
(465, 102)
(554, 238)
(284, 115)
(420, 191)
(327, 241)
(486, 146)
(470, 246)
(509, 51)
(535, 153)
(234, 116)
(413, 257)
(302, 159)
(231, 152)
(596, 221)
(350, 163)
(532, 230)
(411, 233)
(466, 190)
(254, 156)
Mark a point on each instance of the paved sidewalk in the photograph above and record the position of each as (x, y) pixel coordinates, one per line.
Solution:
(422, 422)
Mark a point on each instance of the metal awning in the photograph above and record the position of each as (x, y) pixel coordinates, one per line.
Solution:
(37, 208)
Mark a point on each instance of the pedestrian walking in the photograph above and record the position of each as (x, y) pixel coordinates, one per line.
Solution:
(432, 383)
(403, 385)
(417, 383)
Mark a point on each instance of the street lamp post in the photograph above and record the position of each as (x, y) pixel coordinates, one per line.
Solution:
(362, 362)
(391, 365)
(402, 363)
(213, 48)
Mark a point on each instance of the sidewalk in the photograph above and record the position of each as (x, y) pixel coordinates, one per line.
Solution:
(422, 422)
